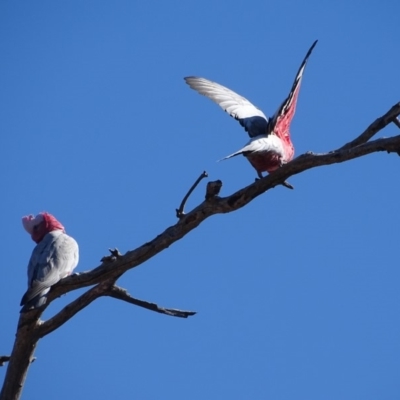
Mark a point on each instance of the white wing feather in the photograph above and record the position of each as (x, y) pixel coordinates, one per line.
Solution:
(235, 105)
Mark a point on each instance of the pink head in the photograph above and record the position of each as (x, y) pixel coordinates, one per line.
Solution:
(40, 225)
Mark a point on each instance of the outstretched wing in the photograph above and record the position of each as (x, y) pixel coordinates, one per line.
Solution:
(280, 122)
(249, 116)
(52, 259)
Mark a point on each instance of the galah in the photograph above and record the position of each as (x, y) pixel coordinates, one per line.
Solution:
(54, 257)
(270, 146)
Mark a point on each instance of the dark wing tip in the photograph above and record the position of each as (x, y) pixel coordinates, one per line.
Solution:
(24, 299)
(36, 302)
(188, 78)
(308, 54)
(286, 106)
(311, 49)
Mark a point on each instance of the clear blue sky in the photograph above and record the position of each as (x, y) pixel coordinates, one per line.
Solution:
(298, 293)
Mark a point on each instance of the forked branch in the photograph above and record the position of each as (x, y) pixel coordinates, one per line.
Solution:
(74, 307)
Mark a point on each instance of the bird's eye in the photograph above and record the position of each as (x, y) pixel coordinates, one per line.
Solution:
(35, 228)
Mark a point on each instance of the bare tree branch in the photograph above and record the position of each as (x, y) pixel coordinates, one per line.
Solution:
(206, 209)
(31, 329)
(121, 294)
(375, 127)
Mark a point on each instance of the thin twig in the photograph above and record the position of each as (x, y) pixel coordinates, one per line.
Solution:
(121, 294)
(180, 212)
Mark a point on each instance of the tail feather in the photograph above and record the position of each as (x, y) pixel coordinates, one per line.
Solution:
(232, 155)
(37, 302)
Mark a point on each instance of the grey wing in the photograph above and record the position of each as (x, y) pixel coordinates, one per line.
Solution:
(37, 257)
(249, 116)
(50, 263)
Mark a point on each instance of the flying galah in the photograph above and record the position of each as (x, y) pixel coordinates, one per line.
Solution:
(54, 257)
(270, 146)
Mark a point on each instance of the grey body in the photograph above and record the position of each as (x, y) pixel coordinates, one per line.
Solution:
(52, 259)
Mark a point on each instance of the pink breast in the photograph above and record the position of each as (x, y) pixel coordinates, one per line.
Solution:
(264, 161)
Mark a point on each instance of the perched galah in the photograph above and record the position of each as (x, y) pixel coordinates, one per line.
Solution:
(54, 257)
(270, 146)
